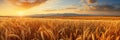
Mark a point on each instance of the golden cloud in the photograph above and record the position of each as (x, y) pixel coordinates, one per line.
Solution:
(26, 3)
(91, 1)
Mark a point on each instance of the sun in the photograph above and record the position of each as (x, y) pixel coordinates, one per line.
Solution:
(21, 13)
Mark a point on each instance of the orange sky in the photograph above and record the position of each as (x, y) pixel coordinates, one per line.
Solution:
(51, 6)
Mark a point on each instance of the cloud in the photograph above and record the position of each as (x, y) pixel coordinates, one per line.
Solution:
(26, 3)
(88, 1)
(91, 1)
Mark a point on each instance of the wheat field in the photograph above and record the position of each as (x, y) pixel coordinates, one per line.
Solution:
(58, 29)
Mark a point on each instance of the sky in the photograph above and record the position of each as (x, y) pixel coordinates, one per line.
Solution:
(57, 6)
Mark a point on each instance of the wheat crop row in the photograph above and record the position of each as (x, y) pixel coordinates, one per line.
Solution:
(58, 29)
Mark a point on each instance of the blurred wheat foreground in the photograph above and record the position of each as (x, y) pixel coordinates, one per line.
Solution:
(58, 29)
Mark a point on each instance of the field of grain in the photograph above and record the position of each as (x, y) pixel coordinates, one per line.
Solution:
(58, 29)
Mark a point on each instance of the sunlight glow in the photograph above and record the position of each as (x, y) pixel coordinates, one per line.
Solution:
(21, 13)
